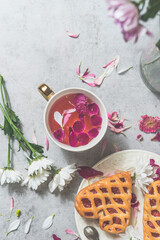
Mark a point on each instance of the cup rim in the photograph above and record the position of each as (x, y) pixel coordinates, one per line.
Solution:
(90, 144)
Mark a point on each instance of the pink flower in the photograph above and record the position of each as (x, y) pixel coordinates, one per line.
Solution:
(126, 14)
(149, 124)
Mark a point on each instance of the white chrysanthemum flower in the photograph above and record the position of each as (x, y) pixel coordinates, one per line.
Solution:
(143, 175)
(131, 233)
(38, 165)
(62, 178)
(33, 181)
(10, 176)
(1, 172)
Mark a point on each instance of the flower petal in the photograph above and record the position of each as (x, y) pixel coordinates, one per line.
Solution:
(139, 137)
(47, 144)
(156, 137)
(13, 226)
(58, 118)
(78, 69)
(88, 172)
(104, 145)
(149, 124)
(96, 120)
(59, 134)
(48, 222)
(11, 206)
(113, 116)
(55, 237)
(98, 81)
(124, 70)
(66, 118)
(34, 138)
(28, 225)
(72, 35)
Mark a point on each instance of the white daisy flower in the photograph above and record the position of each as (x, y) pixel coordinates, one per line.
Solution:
(10, 176)
(1, 172)
(62, 178)
(143, 175)
(33, 181)
(38, 165)
(131, 234)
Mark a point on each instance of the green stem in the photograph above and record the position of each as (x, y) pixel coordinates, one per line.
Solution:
(3, 89)
(1, 127)
(17, 130)
(9, 151)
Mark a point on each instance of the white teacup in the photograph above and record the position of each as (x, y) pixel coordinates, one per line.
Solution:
(52, 97)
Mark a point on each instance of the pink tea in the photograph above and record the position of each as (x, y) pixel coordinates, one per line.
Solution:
(75, 120)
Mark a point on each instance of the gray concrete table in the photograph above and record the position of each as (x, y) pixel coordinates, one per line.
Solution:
(34, 48)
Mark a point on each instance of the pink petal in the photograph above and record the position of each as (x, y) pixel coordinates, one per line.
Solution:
(115, 147)
(96, 120)
(72, 35)
(72, 138)
(135, 214)
(78, 69)
(79, 99)
(47, 144)
(92, 109)
(98, 81)
(134, 199)
(112, 65)
(78, 126)
(71, 110)
(104, 66)
(88, 172)
(83, 138)
(152, 163)
(66, 118)
(139, 137)
(68, 231)
(85, 73)
(104, 145)
(34, 138)
(113, 116)
(93, 132)
(89, 82)
(11, 205)
(110, 174)
(117, 130)
(156, 137)
(55, 237)
(89, 75)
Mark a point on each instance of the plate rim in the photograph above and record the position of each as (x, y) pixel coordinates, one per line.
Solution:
(101, 161)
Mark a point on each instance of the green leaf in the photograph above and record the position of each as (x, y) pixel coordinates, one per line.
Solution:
(158, 44)
(152, 9)
(13, 116)
(7, 128)
(37, 147)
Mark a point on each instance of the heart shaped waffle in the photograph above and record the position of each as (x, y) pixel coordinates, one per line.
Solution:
(151, 212)
(108, 200)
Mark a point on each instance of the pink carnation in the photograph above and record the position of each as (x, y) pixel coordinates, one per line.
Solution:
(149, 124)
(126, 14)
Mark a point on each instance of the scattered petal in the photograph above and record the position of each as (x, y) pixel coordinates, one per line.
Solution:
(55, 237)
(58, 134)
(13, 226)
(72, 35)
(83, 138)
(58, 118)
(117, 130)
(98, 81)
(149, 124)
(48, 222)
(72, 138)
(135, 214)
(78, 69)
(124, 70)
(71, 232)
(96, 120)
(88, 172)
(93, 132)
(28, 225)
(152, 163)
(139, 138)
(66, 118)
(112, 65)
(47, 144)
(92, 109)
(11, 206)
(85, 73)
(68, 111)
(34, 138)
(156, 137)
(113, 116)
(78, 126)
(89, 82)
(89, 75)
(104, 145)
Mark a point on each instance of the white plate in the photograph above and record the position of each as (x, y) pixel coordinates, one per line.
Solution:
(117, 161)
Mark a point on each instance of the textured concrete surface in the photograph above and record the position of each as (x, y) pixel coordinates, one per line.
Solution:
(34, 48)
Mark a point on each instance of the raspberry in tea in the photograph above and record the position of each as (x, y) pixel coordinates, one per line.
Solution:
(75, 120)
